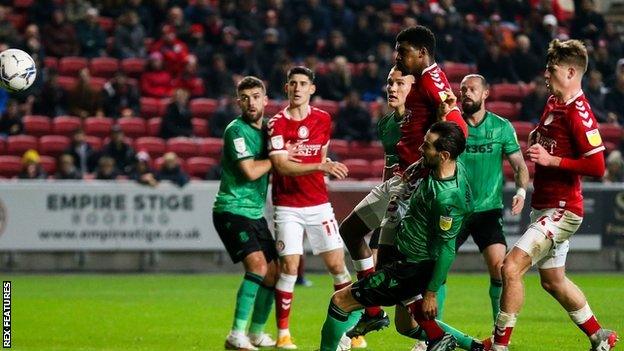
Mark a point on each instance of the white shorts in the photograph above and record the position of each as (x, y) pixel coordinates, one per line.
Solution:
(318, 222)
(397, 208)
(546, 240)
(372, 208)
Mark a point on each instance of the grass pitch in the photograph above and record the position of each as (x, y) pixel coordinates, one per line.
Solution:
(194, 312)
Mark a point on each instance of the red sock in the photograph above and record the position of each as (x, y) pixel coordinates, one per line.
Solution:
(283, 301)
(373, 310)
(590, 327)
(430, 326)
(502, 335)
(340, 286)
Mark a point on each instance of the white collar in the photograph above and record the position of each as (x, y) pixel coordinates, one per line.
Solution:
(287, 115)
(434, 65)
(576, 96)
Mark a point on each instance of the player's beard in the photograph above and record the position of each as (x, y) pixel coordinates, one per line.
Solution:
(469, 109)
(253, 117)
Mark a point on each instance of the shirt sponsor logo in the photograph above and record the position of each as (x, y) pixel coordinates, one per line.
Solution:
(446, 222)
(593, 136)
(277, 142)
(239, 145)
(303, 132)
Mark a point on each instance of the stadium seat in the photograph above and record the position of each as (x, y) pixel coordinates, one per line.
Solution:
(133, 127)
(155, 147)
(329, 106)
(94, 142)
(104, 67)
(2, 146)
(107, 24)
(67, 83)
(133, 67)
(18, 20)
(199, 166)
(609, 146)
(456, 71)
(368, 151)
(71, 65)
(50, 62)
(158, 162)
(10, 166)
(49, 164)
(65, 125)
(23, 4)
(508, 173)
(523, 129)
(200, 127)
(210, 147)
(53, 145)
(273, 107)
(97, 83)
(378, 164)
(504, 109)
(203, 108)
(611, 133)
(358, 168)
(339, 148)
(398, 9)
(507, 92)
(152, 107)
(183, 147)
(36, 125)
(98, 126)
(153, 126)
(18, 144)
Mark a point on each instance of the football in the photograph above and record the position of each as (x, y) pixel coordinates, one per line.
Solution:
(17, 70)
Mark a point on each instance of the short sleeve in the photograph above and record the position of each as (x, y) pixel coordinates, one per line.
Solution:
(510, 139)
(276, 132)
(584, 128)
(435, 84)
(327, 121)
(235, 144)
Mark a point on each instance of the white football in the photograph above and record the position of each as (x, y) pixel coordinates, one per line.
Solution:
(17, 70)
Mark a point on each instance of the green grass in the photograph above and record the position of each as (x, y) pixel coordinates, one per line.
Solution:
(194, 312)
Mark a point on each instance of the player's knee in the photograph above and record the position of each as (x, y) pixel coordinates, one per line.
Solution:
(336, 268)
(510, 270)
(289, 267)
(256, 265)
(551, 286)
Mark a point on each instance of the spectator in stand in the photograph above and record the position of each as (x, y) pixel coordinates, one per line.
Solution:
(198, 12)
(496, 66)
(31, 166)
(11, 120)
(337, 83)
(277, 79)
(544, 34)
(303, 41)
(106, 169)
(384, 55)
(144, 14)
(225, 113)
(199, 47)
(189, 79)
(76, 10)
(40, 10)
(354, 122)
(615, 98)
(595, 91)
(368, 83)
(533, 104)
(52, 99)
(84, 156)
(526, 64)
(121, 99)
(268, 52)
(587, 24)
(500, 34)
(219, 81)
(173, 50)
(336, 46)
(248, 21)
(119, 150)
(341, 17)
(603, 62)
(175, 19)
(91, 37)
(447, 47)
(362, 38)
(60, 37)
(177, 119)
(470, 39)
(129, 36)
(67, 169)
(8, 33)
(142, 172)
(234, 55)
(172, 171)
(614, 40)
(85, 101)
(156, 81)
(31, 43)
(615, 168)
(272, 21)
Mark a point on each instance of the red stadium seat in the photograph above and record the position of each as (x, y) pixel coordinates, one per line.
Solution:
(155, 147)
(50, 62)
(507, 92)
(104, 67)
(456, 71)
(199, 166)
(609, 146)
(133, 127)
(200, 127)
(379, 164)
(10, 166)
(273, 107)
(368, 151)
(53, 145)
(523, 129)
(203, 108)
(67, 83)
(36, 125)
(18, 144)
(133, 67)
(70, 65)
(153, 126)
(358, 168)
(65, 125)
(152, 107)
(610, 133)
(398, 9)
(98, 126)
(49, 164)
(23, 4)
(210, 147)
(97, 83)
(329, 106)
(504, 109)
(18, 20)
(94, 142)
(339, 148)
(2, 146)
(183, 147)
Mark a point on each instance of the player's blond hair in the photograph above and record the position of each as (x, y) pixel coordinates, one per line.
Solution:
(570, 52)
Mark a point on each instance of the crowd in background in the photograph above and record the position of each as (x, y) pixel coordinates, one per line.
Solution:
(201, 48)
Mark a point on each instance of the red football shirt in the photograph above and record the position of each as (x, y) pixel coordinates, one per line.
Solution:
(313, 132)
(427, 93)
(565, 130)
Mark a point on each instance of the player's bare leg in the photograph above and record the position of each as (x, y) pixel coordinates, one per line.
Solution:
(284, 289)
(353, 230)
(572, 299)
(494, 255)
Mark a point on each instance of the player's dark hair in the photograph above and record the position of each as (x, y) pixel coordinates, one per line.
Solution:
(250, 82)
(301, 70)
(571, 52)
(450, 138)
(418, 37)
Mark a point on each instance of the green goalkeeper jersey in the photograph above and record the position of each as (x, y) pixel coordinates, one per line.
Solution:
(436, 214)
(389, 132)
(238, 195)
(486, 144)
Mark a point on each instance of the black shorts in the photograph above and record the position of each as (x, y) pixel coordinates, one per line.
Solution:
(486, 229)
(241, 236)
(374, 239)
(395, 282)
(387, 254)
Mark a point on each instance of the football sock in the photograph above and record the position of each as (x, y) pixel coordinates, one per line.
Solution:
(364, 268)
(503, 327)
(463, 340)
(262, 309)
(430, 326)
(245, 300)
(417, 333)
(585, 320)
(440, 298)
(336, 324)
(341, 280)
(496, 287)
(283, 300)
